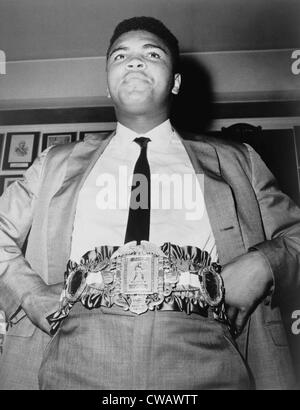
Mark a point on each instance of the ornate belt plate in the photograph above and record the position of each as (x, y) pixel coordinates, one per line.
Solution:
(139, 273)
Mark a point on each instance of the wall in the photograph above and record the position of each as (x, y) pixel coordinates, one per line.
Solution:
(235, 76)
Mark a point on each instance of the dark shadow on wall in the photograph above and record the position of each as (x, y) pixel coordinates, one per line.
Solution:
(192, 108)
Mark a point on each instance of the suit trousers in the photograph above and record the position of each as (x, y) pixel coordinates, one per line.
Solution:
(108, 348)
(21, 359)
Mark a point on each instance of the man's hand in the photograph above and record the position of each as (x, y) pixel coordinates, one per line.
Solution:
(41, 303)
(247, 280)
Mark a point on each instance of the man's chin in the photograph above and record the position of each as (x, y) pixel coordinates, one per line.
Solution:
(141, 92)
(136, 98)
(135, 108)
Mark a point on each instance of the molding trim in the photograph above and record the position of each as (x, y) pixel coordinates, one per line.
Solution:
(275, 110)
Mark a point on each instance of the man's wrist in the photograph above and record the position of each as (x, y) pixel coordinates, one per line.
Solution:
(40, 303)
(268, 272)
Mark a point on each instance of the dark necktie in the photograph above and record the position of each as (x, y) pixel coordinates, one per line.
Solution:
(138, 224)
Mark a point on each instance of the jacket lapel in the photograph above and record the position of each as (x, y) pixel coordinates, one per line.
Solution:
(219, 200)
(80, 163)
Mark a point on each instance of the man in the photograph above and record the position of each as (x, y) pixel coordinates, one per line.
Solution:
(178, 331)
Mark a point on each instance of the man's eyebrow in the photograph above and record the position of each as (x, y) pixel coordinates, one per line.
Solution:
(120, 48)
(146, 46)
(150, 45)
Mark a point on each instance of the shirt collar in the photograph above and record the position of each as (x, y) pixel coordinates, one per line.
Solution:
(161, 136)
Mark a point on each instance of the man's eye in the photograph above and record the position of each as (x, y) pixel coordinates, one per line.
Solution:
(119, 57)
(154, 55)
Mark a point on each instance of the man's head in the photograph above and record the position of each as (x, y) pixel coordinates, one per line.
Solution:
(142, 61)
(153, 26)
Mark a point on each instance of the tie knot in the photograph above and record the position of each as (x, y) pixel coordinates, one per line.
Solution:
(142, 141)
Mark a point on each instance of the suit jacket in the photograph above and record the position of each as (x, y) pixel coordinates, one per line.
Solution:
(245, 208)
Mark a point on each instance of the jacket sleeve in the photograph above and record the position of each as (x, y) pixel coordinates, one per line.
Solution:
(281, 221)
(17, 279)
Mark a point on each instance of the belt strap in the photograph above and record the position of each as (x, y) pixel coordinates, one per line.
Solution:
(106, 277)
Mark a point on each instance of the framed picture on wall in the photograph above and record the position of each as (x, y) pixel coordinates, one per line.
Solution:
(56, 138)
(86, 134)
(1, 147)
(6, 180)
(297, 139)
(20, 150)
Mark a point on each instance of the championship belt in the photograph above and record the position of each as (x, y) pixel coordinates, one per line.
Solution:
(142, 277)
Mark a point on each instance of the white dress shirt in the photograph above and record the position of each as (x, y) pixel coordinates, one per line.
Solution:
(103, 203)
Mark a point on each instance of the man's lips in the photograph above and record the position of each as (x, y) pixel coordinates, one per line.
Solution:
(136, 76)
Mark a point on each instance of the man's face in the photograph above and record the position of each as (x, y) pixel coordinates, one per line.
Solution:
(140, 74)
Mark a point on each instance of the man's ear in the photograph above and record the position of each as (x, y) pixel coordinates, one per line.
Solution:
(177, 82)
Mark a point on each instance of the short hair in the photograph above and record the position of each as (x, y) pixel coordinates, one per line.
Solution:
(151, 25)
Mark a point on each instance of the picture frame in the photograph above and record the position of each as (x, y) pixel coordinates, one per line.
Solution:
(57, 138)
(1, 147)
(84, 134)
(21, 149)
(297, 140)
(6, 180)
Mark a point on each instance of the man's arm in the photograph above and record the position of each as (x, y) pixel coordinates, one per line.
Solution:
(273, 265)
(281, 221)
(19, 284)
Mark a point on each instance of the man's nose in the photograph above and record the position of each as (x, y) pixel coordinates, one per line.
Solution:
(136, 63)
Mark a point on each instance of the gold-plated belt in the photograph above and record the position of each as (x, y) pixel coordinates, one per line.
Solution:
(144, 277)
